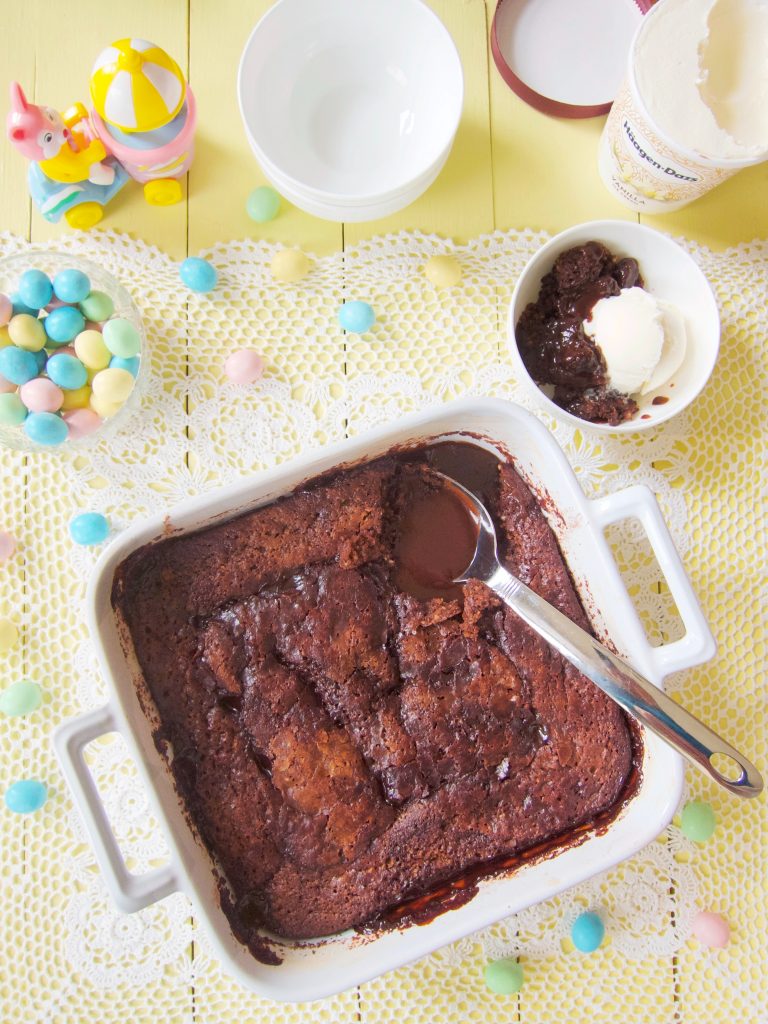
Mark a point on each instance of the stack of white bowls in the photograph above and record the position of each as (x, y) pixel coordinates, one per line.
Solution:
(350, 106)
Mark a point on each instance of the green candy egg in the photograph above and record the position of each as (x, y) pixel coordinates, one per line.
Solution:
(263, 204)
(504, 977)
(96, 307)
(12, 410)
(697, 821)
(21, 698)
(122, 338)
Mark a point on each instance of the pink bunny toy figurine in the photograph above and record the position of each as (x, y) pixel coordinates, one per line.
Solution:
(37, 132)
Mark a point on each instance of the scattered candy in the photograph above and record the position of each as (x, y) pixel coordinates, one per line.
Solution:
(130, 363)
(504, 977)
(289, 265)
(91, 350)
(12, 410)
(27, 332)
(45, 428)
(6, 309)
(26, 796)
(89, 528)
(122, 338)
(98, 306)
(697, 821)
(64, 324)
(244, 366)
(41, 395)
(8, 635)
(81, 423)
(711, 929)
(263, 204)
(20, 699)
(198, 275)
(357, 317)
(77, 399)
(7, 545)
(67, 371)
(35, 289)
(587, 932)
(443, 271)
(17, 365)
(71, 286)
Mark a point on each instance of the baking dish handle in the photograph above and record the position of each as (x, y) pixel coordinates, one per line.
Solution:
(130, 892)
(698, 644)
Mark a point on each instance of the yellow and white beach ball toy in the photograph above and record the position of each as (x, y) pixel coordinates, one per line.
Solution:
(136, 86)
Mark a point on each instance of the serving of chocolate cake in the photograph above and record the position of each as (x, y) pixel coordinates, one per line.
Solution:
(340, 743)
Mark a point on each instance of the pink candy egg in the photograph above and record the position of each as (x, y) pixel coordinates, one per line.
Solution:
(6, 309)
(41, 395)
(6, 387)
(67, 349)
(81, 422)
(711, 929)
(7, 545)
(244, 366)
(55, 304)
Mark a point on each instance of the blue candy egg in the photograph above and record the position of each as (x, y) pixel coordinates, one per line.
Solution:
(41, 358)
(17, 364)
(46, 428)
(587, 932)
(129, 363)
(26, 796)
(22, 307)
(35, 289)
(89, 528)
(64, 324)
(357, 317)
(198, 275)
(67, 371)
(71, 286)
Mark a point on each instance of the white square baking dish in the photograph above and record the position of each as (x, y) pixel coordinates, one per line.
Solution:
(312, 970)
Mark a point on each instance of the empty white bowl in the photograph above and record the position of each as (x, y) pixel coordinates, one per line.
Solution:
(350, 105)
(669, 273)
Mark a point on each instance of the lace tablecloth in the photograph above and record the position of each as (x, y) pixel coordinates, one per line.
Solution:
(67, 954)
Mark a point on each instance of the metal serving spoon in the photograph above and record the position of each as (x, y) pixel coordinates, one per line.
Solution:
(646, 702)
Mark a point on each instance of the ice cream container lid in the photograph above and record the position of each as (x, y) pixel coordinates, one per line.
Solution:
(563, 57)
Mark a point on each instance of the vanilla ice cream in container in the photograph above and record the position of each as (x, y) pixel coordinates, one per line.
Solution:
(693, 108)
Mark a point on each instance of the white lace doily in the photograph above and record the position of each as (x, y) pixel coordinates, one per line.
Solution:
(195, 431)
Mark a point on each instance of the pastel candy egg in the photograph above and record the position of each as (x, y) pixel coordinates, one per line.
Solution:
(198, 275)
(7, 387)
(263, 204)
(17, 365)
(20, 698)
(289, 265)
(89, 528)
(77, 399)
(504, 977)
(7, 545)
(122, 338)
(71, 286)
(64, 324)
(130, 363)
(711, 929)
(21, 307)
(41, 395)
(697, 821)
(81, 423)
(12, 410)
(6, 309)
(27, 332)
(67, 371)
(244, 366)
(41, 358)
(113, 385)
(587, 932)
(54, 304)
(45, 428)
(26, 796)
(443, 271)
(35, 289)
(357, 317)
(8, 635)
(97, 306)
(106, 410)
(5, 338)
(91, 350)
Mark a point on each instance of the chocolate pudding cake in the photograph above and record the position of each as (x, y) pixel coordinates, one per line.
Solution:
(342, 741)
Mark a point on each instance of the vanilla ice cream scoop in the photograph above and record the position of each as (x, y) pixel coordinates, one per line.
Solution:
(642, 339)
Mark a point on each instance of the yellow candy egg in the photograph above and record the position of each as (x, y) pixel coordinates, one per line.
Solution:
(5, 338)
(8, 635)
(91, 350)
(290, 265)
(27, 332)
(113, 385)
(104, 408)
(443, 271)
(77, 399)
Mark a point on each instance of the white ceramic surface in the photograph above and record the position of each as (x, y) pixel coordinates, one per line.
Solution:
(669, 273)
(312, 970)
(351, 101)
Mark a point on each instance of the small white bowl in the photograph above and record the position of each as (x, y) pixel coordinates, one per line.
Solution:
(350, 103)
(669, 273)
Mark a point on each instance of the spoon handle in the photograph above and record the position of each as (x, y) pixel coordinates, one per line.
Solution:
(646, 702)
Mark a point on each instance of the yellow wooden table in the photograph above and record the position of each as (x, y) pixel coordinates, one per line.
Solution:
(511, 167)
